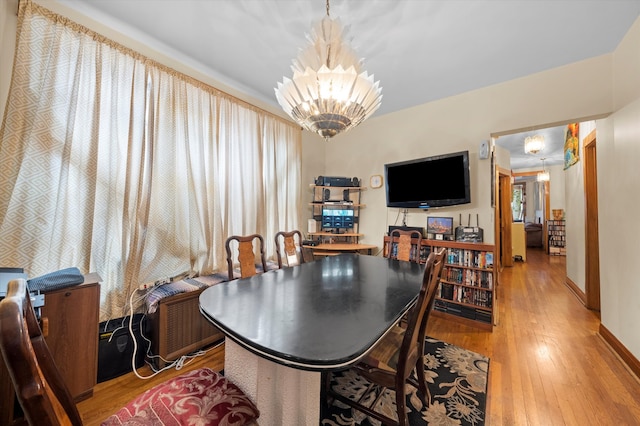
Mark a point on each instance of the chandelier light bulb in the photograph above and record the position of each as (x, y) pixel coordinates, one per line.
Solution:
(543, 176)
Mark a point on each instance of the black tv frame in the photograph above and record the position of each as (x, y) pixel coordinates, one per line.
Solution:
(391, 183)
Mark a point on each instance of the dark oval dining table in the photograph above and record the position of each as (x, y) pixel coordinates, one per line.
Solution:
(284, 327)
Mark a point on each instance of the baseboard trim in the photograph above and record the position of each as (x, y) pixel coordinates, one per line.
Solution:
(576, 290)
(619, 349)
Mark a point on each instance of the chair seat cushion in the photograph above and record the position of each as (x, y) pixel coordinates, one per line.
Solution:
(384, 354)
(199, 397)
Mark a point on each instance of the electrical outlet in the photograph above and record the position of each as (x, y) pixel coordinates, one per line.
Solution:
(145, 286)
(163, 281)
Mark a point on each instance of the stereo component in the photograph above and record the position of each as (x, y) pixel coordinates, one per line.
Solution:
(337, 181)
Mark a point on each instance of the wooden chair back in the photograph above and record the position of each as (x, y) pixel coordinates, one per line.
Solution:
(245, 254)
(39, 387)
(415, 333)
(391, 362)
(307, 254)
(289, 248)
(404, 245)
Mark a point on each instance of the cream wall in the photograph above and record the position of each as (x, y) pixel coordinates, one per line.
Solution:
(618, 158)
(575, 219)
(556, 188)
(460, 123)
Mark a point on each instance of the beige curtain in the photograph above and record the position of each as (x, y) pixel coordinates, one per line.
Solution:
(116, 164)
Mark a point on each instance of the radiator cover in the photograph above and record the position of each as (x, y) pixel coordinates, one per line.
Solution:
(179, 328)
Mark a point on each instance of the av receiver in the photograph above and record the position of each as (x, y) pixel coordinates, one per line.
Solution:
(337, 181)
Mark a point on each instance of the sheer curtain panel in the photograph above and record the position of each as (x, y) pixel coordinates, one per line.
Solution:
(117, 164)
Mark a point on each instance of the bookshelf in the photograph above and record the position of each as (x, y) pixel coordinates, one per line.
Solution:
(468, 281)
(336, 212)
(556, 232)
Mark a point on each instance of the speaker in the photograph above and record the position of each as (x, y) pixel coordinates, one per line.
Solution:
(406, 228)
(326, 194)
(320, 180)
(355, 182)
(345, 195)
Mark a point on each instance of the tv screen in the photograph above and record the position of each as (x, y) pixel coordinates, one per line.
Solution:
(436, 181)
(337, 218)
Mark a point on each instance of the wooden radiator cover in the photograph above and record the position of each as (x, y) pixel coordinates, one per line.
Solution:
(179, 328)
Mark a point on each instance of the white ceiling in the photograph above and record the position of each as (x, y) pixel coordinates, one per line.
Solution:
(553, 151)
(419, 50)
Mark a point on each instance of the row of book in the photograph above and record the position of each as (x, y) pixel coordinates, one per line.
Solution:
(466, 295)
(472, 277)
(463, 311)
(470, 258)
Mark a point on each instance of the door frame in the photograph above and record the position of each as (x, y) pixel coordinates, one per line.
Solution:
(503, 217)
(592, 244)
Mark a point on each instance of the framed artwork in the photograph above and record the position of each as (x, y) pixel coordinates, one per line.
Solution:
(571, 145)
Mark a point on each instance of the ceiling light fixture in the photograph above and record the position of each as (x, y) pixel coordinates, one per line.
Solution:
(533, 144)
(543, 176)
(329, 92)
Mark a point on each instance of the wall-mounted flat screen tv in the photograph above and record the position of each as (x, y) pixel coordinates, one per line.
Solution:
(437, 181)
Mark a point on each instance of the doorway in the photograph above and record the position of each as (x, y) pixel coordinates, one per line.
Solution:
(589, 293)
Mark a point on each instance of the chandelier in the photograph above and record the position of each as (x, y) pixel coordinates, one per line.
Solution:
(533, 144)
(329, 92)
(543, 176)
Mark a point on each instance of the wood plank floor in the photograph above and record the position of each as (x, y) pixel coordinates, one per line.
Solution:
(548, 364)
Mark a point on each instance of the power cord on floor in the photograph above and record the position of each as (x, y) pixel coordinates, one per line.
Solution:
(178, 364)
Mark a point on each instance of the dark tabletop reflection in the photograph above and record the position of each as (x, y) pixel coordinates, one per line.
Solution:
(320, 313)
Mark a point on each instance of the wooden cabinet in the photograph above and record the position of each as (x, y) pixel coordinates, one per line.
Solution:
(69, 321)
(71, 316)
(557, 237)
(468, 281)
(179, 328)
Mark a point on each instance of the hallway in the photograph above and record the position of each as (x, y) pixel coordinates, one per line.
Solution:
(548, 365)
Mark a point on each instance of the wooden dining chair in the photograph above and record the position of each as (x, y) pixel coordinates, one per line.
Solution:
(289, 248)
(403, 241)
(392, 361)
(201, 396)
(246, 257)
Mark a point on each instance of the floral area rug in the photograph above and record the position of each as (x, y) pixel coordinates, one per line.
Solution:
(456, 379)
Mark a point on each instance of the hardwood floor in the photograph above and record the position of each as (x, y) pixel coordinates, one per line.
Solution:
(548, 364)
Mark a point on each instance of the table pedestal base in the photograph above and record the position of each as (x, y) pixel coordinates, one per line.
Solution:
(284, 395)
